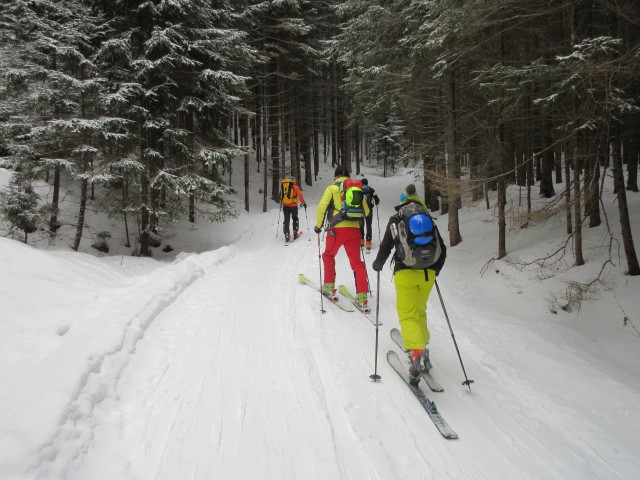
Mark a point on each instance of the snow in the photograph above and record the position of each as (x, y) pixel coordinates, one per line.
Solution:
(212, 361)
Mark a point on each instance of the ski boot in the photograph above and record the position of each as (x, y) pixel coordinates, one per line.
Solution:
(420, 364)
(329, 291)
(362, 302)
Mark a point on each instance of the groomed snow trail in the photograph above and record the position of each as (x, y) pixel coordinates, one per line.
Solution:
(242, 377)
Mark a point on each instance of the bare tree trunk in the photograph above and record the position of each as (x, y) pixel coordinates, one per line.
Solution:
(453, 168)
(145, 241)
(546, 162)
(502, 222)
(623, 208)
(591, 181)
(247, 163)
(55, 202)
(265, 149)
(84, 187)
(274, 132)
(577, 209)
(502, 194)
(125, 194)
(567, 194)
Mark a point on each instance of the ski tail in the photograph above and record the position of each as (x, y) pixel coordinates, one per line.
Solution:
(430, 407)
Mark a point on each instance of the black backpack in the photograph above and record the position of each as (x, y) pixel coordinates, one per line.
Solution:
(368, 195)
(416, 237)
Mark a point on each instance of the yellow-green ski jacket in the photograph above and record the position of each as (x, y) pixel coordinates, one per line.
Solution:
(332, 193)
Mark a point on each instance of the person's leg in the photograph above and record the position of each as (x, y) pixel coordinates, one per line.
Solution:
(425, 285)
(410, 308)
(285, 223)
(294, 215)
(368, 220)
(332, 245)
(351, 242)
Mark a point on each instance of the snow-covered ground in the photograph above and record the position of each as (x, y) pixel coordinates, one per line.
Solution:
(218, 364)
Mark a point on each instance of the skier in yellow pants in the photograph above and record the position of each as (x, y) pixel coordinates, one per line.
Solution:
(412, 292)
(412, 230)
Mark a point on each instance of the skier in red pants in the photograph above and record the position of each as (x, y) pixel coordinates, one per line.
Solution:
(343, 233)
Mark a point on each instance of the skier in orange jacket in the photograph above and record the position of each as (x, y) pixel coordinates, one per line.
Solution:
(290, 193)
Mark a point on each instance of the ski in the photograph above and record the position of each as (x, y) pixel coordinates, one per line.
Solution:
(345, 291)
(431, 382)
(303, 279)
(429, 406)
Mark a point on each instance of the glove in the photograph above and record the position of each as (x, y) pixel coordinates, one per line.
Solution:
(377, 266)
(304, 205)
(318, 230)
(377, 200)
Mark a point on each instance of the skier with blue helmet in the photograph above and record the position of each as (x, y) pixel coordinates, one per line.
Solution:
(413, 286)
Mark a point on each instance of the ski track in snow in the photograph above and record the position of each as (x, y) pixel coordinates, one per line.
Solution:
(205, 385)
(78, 422)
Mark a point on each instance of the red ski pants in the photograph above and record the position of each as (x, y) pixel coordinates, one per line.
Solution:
(350, 238)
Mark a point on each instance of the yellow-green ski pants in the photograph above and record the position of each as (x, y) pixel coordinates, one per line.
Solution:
(412, 292)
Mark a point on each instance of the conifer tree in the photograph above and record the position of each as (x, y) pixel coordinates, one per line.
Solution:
(180, 86)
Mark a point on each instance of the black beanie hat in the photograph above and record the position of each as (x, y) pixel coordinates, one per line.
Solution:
(364, 181)
(341, 171)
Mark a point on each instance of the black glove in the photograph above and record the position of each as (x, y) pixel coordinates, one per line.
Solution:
(377, 266)
(377, 200)
(318, 230)
(305, 206)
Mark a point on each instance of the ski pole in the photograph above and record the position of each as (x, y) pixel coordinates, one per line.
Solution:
(378, 220)
(365, 268)
(320, 269)
(305, 216)
(375, 377)
(279, 211)
(466, 382)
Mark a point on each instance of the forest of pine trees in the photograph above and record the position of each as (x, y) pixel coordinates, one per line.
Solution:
(155, 98)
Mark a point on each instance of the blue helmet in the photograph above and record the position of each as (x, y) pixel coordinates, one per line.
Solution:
(419, 225)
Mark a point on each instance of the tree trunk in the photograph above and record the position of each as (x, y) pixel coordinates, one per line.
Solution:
(55, 202)
(577, 210)
(592, 176)
(631, 160)
(453, 168)
(145, 241)
(247, 163)
(546, 171)
(502, 222)
(84, 187)
(265, 148)
(274, 132)
(125, 193)
(623, 208)
(503, 161)
(567, 195)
